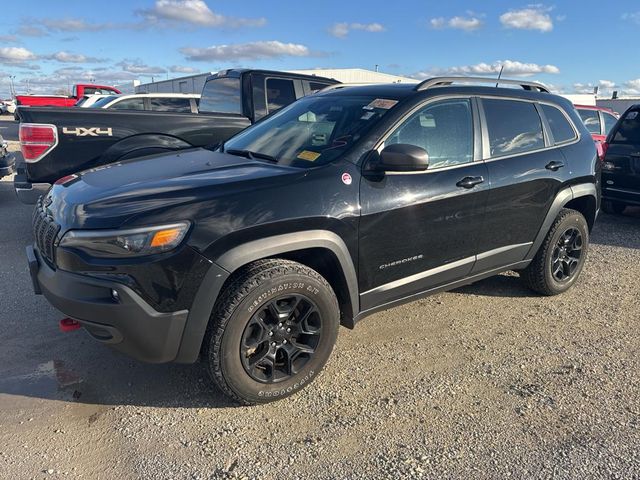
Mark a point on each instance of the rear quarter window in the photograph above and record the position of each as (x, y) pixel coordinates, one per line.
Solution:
(628, 129)
(561, 129)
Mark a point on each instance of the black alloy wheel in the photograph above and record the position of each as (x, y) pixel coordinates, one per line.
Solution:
(567, 254)
(280, 338)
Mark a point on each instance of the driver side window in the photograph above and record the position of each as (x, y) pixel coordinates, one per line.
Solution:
(444, 129)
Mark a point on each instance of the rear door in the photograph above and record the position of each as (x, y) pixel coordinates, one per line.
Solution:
(621, 170)
(591, 120)
(525, 170)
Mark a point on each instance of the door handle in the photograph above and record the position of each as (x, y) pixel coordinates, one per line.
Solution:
(470, 182)
(554, 166)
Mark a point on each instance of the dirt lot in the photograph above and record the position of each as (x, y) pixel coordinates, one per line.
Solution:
(488, 381)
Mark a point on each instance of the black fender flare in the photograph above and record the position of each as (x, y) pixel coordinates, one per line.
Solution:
(243, 254)
(142, 142)
(563, 197)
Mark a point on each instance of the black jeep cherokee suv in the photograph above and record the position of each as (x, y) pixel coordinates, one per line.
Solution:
(345, 203)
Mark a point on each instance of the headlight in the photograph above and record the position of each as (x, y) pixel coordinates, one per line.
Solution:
(135, 242)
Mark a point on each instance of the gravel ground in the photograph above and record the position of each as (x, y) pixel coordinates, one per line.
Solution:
(488, 381)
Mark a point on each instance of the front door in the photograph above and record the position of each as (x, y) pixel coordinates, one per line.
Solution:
(419, 230)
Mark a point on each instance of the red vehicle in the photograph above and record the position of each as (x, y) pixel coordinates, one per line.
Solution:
(599, 121)
(79, 91)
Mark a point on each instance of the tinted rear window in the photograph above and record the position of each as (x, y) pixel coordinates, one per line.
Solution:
(629, 129)
(560, 127)
(514, 127)
(221, 95)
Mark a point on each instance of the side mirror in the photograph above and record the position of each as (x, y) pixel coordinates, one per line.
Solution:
(402, 157)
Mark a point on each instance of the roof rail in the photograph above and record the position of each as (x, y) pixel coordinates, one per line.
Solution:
(335, 86)
(444, 81)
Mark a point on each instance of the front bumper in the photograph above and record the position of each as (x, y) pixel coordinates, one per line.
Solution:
(7, 165)
(110, 312)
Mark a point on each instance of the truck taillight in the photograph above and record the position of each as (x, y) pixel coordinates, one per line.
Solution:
(36, 140)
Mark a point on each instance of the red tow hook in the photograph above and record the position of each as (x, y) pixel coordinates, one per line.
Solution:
(69, 325)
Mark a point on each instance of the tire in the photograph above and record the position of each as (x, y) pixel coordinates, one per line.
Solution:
(612, 207)
(242, 359)
(548, 273)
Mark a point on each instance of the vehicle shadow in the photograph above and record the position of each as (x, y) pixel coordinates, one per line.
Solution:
(507, 285)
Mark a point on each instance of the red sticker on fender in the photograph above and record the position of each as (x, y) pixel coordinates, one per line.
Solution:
(346, 178)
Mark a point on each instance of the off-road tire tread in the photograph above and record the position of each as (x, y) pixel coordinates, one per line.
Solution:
(241, 284)
(534, 275)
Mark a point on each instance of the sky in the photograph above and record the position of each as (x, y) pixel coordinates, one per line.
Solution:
(570, 45)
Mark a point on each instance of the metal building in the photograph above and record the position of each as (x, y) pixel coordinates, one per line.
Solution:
(194, 83)
(189, 84)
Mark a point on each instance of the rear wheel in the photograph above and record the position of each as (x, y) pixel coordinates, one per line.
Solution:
(272, 331)
(558, 263)
(612, 207)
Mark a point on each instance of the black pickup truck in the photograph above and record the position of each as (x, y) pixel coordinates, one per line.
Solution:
(57, 142)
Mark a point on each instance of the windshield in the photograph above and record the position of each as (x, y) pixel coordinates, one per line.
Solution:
(312, 131)
(221, 95)
(103, 101)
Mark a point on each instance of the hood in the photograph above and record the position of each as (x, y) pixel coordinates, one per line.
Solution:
(108, 196)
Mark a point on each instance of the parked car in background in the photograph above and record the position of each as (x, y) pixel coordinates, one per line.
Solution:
(621, 166)
(88, 100)
(599, 122)
(343, 204)
(7, 160)
(155, 102)
(10, 106)
(57, 142)
(79, 91)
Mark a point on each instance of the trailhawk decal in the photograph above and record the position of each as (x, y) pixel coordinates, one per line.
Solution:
(87, 131)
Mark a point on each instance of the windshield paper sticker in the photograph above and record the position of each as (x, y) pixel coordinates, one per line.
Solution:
(308, 155)
(383, 103)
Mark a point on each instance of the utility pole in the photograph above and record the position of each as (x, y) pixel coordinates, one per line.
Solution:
(13, 88)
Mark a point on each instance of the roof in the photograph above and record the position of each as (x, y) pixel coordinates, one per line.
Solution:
(236, 72)
(161, 95)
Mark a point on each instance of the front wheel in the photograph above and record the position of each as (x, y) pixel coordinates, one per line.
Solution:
(558, 263)
(272, 331)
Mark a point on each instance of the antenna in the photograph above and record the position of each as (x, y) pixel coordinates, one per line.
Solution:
(500, 75)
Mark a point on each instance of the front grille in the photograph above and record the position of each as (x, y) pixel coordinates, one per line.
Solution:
(45, 231)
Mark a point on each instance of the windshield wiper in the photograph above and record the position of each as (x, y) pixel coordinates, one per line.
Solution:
(251, 155)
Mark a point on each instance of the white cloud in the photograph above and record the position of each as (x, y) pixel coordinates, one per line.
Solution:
(195, 12)
(632, 86)
(74, 25)
(342, 29)
(67, 57)
(182, 69)
(468, 24)
(248, 51)
(534, 17)
(16, 55)
(8, 38)
(139, 68)
(511, 67)
(607, 84)
(30, 31)
(632, 17)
